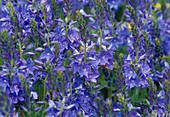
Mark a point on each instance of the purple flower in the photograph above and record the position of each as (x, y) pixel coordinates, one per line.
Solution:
(116, 41)
(46, 54)
(143, 81)
(104, 57)
(15, 98)
(83, 102)
(30, 53)
(4, 82)
(114, 4)
(38, 108)
(34, 95)
(145, 69)
(51, 105)
(93, 77)
(84, 13)
(6, 104)
(77, 82)
(131, 77)
(55, 106)
(84, 69)
(161, 94)
(16, 85)
(73, 35)
(130, 73)
(27, 67)
(38, 49)
(64, 45)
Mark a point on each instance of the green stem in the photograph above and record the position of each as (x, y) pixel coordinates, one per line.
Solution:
(146, 54)
(111, 87)
(67, 24)
(85, 53)
(137, 54)
(12, 63)
(36, 6)
(71, 83)
(45, 17)
(26, 86)
(45, 85)
(61, 108)
(17, 4)
(48, 40)
(29, 108)
(116, 87)
(112, 26)
(110, 113)
(136, 92)
(101, 39)
(20, 49)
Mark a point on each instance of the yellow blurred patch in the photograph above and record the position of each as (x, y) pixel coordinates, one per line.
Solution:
(105, 66)
(167, 5)
(129, 26)
(4, 30)
(81, 48)
(152, 55)
(158, 5)
(156, 39)
(78, 11)
(166, 57)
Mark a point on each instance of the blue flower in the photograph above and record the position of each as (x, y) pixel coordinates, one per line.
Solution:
(93, 77)
(77, 82)
(114, 4)
(27, 67)
(104, 57)
(6, 104)
(116, 41)
(83, 102)
(64, 45)
(16, 85)
(73, 35)
(84, 69)
(46, 54)
(4, 82)
(17, 97)
(52, 109)
(133, 110)
(130, 73)
(131, 77)
(145, 69)
(71, 112)
(55, 106)
(143, 81)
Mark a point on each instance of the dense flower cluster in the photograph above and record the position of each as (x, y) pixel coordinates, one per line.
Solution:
(84, 58)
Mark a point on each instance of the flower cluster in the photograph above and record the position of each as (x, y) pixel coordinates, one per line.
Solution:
(84, 58)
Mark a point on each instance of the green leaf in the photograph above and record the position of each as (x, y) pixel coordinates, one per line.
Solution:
(103, 85)
(39, 88)
(119, 14)
(167, 58)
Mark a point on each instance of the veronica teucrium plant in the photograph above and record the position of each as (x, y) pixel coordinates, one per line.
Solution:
(84, 58)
